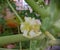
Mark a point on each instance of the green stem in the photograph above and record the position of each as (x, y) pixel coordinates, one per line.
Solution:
(20, 46)
(41, 11)
(20, 41)
(30, 44)
(14, 11)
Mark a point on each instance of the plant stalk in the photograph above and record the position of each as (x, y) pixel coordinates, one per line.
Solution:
(14, 11)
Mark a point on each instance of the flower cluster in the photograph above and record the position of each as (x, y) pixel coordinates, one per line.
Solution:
(30, 27)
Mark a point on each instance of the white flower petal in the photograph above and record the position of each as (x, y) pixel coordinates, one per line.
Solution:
(22, 26)
(38, 21)
(25, 33)
(39, 33)
(27, 19)
(32, 33)
(33, 26)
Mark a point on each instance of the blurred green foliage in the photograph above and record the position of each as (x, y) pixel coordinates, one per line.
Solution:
(49, 23)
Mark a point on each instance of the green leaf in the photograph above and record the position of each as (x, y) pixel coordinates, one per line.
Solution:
(46, 23)
(54, 11)
(57, 24)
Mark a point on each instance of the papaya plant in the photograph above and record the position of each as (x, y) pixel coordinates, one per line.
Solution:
(50, 25)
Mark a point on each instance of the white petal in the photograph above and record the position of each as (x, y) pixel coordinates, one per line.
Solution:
(32, 22)
(32, 33)
(25, 33)
(27, 19)
(22, 26)
(38, 21)
(39, 33)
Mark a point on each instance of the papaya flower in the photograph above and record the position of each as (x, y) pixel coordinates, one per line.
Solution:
(30, 27)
